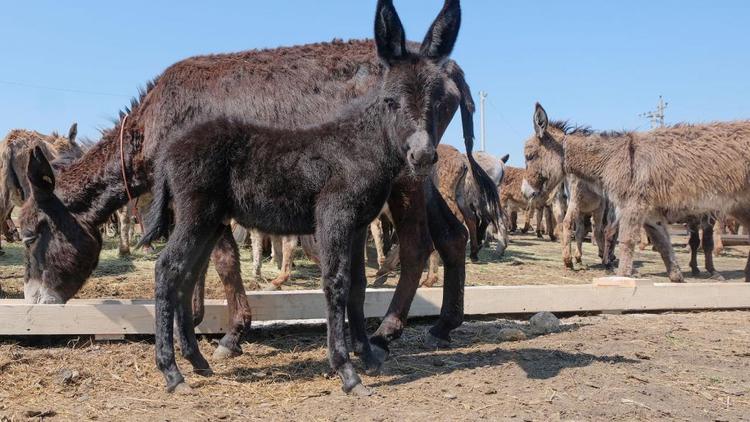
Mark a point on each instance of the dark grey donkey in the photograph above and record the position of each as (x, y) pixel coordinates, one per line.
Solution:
(330, 180)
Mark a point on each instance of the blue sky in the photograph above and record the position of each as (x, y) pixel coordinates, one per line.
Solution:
(594, 62)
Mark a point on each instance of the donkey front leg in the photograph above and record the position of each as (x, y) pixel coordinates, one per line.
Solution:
(176, 273)
(123, 217)
(356, 303)
(707, 225)
(256, 239)
(449, 237)
(694, 242)
(407, 205)
(629, 227)
(336, 241)
(288, 243)
(570, 218)
(226, 259)
(580, 235)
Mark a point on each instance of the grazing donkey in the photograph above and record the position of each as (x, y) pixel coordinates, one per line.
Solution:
(650, 176)
(336, 177)
(14, 156)
(283, 87)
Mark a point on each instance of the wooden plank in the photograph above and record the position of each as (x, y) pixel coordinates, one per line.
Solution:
(120, 317)
(735, 239)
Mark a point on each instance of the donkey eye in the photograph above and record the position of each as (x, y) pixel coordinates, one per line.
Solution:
(28, 237)
(392, 103)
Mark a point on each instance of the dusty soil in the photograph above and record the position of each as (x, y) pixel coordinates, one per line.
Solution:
(528, 261)
(692, 366)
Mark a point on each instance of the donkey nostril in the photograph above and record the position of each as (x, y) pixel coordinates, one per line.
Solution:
(412, 158)
(434, 158)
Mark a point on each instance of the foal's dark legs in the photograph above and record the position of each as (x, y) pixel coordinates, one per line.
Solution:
(449, 237)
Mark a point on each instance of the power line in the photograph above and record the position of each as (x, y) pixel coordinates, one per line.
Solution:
(75, 91)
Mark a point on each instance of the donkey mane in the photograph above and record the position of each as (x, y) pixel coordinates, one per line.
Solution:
(580, 130)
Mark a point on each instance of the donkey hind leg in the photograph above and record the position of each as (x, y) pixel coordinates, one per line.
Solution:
(694, 242)
(176, 273)
(717, 237)
(659, 235)
(449, 237)
(335, 240)
(707, 226)
(123, 217)
(550, 223)
(226, 259)
(356, 303)
(407, 205)
(473, 226)
(288, 243)
(432, 270)
(629, 233)
(597, 222)
(276, 251)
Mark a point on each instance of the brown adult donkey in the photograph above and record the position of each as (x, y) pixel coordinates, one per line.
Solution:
(14, 156)
(284, 87)
(650, 175)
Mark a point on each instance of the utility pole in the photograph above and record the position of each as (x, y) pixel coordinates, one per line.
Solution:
(656, 117)
(483, 128)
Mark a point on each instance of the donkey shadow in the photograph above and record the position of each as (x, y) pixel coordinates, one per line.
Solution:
(409, 363)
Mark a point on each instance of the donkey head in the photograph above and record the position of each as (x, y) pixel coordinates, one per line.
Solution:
(417, 90)
(60, 251)
(544, 157)
(65, 149)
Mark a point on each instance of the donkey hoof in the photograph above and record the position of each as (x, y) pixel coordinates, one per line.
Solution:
(272, 288)
(182, 388)
(204, 372)
(718, 277)
(695, 272)
(224, 353)
(431, 342)
(676, 278)
(429, 281)
(360, 390)
(379, 355)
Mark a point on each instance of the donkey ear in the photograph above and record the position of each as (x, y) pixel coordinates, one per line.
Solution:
(389, 32)
(72, 133)
(505, 158)
(541, 121)
(40, 175)
(441, 37)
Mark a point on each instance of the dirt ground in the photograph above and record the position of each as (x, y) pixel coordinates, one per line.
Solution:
(691, 366)
(678, 366)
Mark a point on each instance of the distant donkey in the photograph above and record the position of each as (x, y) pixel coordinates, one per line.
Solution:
(14, 157)
(336, 178)
(650, 176)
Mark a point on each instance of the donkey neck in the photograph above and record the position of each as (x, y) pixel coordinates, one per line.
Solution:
(587, 156)
(93, 187)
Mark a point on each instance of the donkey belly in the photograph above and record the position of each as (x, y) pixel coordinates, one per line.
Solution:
(281, 219)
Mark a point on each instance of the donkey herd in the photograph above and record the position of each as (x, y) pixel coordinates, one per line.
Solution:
(323, 141)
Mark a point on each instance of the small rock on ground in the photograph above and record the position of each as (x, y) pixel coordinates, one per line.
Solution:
(544, 322)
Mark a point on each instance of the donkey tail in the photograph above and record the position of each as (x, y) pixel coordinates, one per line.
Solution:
(158, 219)
(487, 188)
